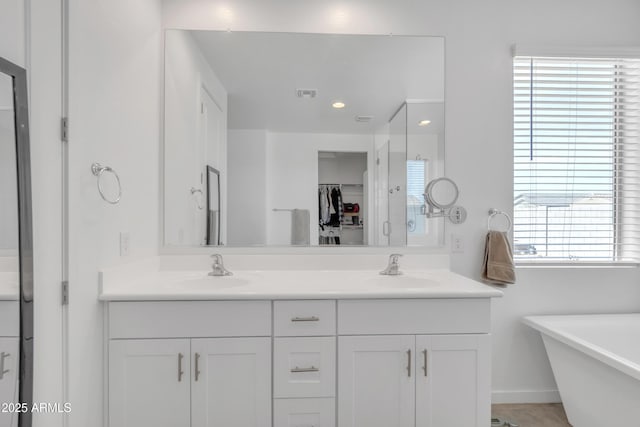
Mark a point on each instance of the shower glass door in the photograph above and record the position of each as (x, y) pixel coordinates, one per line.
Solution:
(396, 227)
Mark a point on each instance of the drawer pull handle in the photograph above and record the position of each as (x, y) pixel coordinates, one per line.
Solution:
(3, 371)
(306, 319)
(197, 370)
(180, 371)
(409, 363)
(424, 368)
(297, 370)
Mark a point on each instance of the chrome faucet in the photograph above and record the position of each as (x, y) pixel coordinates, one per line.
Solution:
(218, 267)
(393, 269)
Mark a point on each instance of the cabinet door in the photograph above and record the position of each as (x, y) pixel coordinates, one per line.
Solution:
(9, 379)
(376, 381)
(453, 386)
(149, 383)
(231, 384)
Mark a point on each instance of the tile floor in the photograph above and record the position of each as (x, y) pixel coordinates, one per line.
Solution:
(532, 414)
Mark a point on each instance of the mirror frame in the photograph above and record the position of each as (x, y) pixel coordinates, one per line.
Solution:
(212, 174)
(25, 235)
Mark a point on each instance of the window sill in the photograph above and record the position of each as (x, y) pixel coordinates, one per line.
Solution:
(575, 264)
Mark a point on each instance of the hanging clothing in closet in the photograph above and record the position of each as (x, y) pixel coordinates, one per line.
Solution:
(324, 205)
(330, 214)
(336, 201)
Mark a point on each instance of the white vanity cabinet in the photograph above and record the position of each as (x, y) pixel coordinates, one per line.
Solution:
(300, 363)
(9, 349)
(192, 363)
(414, 363)
(9, 378)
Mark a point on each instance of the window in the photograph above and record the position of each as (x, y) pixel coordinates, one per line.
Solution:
(576, 152)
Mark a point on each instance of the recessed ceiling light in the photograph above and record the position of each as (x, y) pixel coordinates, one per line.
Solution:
(338, 104)
(424, 122)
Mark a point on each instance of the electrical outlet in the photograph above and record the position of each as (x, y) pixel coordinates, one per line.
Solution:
(125, 243)
(457, 244)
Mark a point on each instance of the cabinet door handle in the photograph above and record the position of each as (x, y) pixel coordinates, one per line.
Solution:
(409, 363)
(3, 371)
(197, 371)
(297, 370)
(424, 368)
(305, 319)
(386, 228)
(180, 371)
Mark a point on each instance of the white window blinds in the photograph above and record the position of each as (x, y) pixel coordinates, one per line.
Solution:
(576, 159)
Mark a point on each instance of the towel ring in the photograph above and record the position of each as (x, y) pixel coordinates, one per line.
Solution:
(193, 192)
(493, 213)
(97, 169)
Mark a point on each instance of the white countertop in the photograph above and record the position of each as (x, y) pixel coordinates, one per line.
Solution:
(289, 284)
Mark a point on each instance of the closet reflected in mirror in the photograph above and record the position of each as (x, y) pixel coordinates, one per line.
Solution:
(343, 187)
(274, 113)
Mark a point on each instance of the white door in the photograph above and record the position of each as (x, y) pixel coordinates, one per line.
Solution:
(231, 384)
(376, 381)
(149, 383)
(8, 380)
(453, 387)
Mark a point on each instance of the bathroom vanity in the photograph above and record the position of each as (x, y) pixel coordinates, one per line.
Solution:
(297, 349)
(9, 343)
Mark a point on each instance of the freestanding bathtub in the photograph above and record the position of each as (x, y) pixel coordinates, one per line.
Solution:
(596, 364)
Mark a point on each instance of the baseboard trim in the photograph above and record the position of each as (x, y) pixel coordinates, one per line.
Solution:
(525, 396)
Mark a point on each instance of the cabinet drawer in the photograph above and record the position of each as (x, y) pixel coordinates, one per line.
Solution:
(189, 319)
(304, 318)
(304, 412)
(304, 367)
(414, 316)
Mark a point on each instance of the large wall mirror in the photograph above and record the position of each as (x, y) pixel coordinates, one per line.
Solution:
(316, 139)
(16, 254)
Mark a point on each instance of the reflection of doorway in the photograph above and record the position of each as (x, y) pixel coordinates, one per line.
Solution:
(342, 198)
(208, 153)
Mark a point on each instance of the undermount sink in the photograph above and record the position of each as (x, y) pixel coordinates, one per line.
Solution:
(202, 281)
(403, 281)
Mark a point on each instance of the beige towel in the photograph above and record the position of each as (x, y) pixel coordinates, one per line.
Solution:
(497, 266)
(300, 229)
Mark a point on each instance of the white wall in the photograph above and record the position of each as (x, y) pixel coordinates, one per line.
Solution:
(479, 36)
(292, 176)
(343, 169)
(247, 188)
(115, 65)
(185, 157)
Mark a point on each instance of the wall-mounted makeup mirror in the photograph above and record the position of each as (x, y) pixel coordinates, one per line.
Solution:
(16, 250)
(441, 195)
(278, 115)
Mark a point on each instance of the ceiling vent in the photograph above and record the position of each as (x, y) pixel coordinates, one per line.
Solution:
(306, 93)
(364, 119)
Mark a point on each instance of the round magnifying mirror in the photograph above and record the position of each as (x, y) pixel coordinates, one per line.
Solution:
(441, 193)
